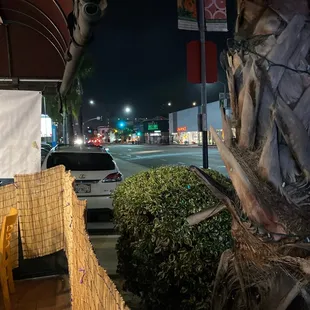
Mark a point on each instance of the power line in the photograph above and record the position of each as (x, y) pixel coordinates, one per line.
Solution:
(243, 45)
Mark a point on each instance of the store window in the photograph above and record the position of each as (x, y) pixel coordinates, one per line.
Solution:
(193, 137)
(219, 132)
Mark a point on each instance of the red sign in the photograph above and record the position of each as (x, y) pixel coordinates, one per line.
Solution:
(181, 129)
(193, 62)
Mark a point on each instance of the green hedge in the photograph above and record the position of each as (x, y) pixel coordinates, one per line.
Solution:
(169, 264)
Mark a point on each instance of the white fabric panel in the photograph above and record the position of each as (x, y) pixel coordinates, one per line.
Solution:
(20, 130)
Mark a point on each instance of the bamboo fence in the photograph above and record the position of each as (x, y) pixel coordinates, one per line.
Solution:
(51, 218)
(8, 201)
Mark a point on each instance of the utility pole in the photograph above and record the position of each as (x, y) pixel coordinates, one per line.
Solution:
(45, 116)
(64, 127)
(202, 30)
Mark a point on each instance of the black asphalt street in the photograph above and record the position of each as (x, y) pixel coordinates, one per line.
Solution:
(148, 156)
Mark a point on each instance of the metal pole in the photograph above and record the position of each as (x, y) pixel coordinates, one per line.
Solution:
(202, 31)
(64, 127)
(83, 132)
(45, 114)
(81, 121)
(92, 119)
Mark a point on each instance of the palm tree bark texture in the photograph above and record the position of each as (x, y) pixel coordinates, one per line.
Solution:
(267, 157)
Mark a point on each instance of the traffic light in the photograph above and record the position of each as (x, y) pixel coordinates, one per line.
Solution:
(138, 133)
(121, 124)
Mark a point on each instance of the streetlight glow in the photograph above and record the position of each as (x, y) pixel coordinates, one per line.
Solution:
(194, 103)
(91, 102)
(169, 104)
(127, 109)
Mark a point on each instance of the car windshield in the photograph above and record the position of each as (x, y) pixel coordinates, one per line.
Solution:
(82, 161)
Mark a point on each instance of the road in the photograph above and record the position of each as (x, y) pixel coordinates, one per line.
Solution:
(142, 157)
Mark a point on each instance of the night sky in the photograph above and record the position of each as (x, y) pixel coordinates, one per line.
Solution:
(139, 58)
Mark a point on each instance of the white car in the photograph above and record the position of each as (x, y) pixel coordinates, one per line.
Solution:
(96, 177)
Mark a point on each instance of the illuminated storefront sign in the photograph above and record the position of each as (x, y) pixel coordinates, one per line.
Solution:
(182, 129)
(156, 133)
(152, 126)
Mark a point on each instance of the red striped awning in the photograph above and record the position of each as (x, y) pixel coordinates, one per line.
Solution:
(34, 37)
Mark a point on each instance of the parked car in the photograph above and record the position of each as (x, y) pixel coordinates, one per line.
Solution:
(96, 177)
(44, 153)
(46, 146)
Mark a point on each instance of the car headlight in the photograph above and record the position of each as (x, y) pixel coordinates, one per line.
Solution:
(78, 141)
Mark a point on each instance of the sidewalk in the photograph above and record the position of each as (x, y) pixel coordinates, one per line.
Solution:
(104, 247)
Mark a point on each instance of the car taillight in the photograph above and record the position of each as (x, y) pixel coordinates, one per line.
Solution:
(113, 177)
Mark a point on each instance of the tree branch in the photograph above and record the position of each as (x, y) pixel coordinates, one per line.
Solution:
(203, 215)
(241, 281)
(214, 188)
(222, 271)
(292, 294)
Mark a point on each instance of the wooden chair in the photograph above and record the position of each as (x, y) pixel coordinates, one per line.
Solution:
(6, 275)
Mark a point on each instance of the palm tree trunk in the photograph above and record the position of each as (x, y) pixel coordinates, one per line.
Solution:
(268, 73)
(71, 128)
(267, 66)
(80, 121)
(70, 123)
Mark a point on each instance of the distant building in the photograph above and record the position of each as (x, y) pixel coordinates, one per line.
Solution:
(156, 130)
(183, 125)
(104, 132)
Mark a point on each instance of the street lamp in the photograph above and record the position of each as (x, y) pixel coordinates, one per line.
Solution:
(127, 109)
(97, 118)
(91, 102)
(194, 103)
(166, 107)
